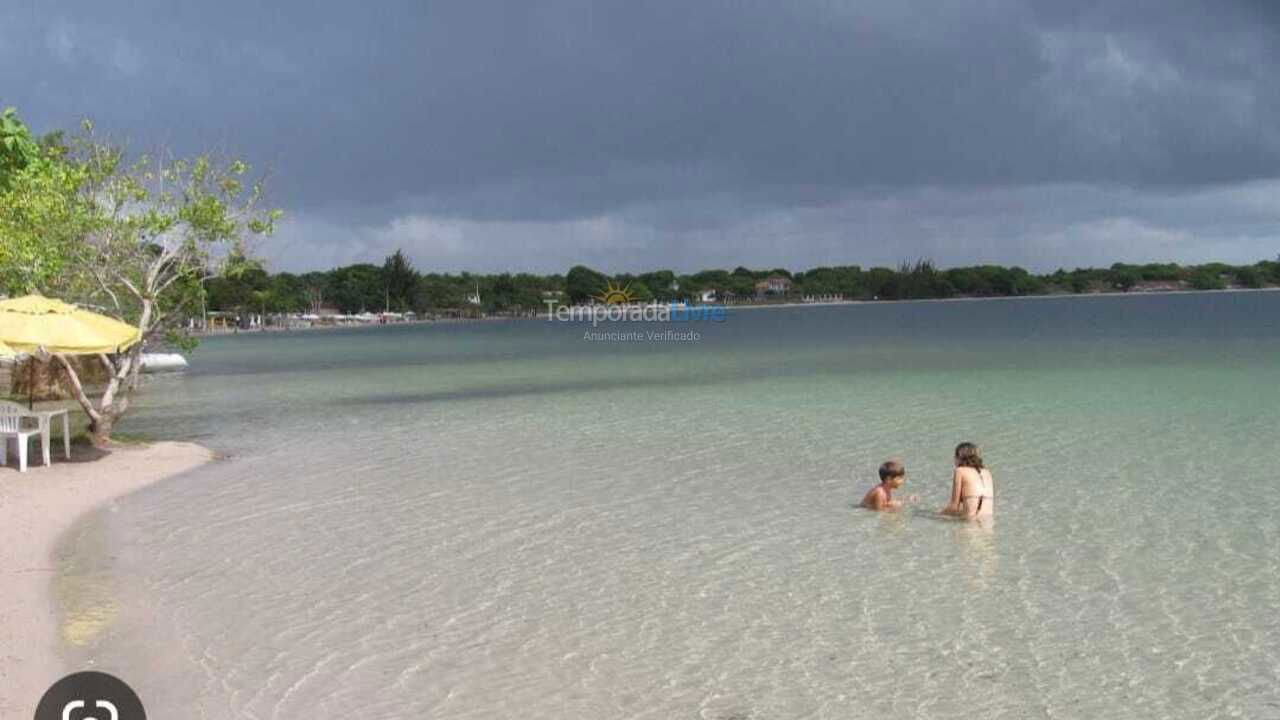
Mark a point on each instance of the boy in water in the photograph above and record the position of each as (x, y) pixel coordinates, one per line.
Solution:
(880, 497)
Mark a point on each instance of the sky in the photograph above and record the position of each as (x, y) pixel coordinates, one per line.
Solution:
(532, 135)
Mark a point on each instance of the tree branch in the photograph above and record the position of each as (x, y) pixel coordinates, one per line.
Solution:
(78, 389)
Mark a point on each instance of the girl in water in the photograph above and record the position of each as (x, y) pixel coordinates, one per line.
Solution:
(972, 489)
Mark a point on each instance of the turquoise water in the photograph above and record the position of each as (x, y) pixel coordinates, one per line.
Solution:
(503, 520)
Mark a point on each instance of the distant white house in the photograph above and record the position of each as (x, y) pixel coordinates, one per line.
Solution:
(707, 296)
(773, 285)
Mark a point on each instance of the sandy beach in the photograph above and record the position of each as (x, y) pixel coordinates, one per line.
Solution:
(36, 508)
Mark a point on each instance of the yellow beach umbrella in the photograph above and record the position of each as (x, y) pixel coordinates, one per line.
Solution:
(32, 323)
(6, 351)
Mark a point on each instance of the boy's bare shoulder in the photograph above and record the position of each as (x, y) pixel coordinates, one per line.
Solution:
(874, 498)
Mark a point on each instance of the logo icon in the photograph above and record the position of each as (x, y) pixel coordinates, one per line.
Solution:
(90, 695)
(112, 712)
(615, 295)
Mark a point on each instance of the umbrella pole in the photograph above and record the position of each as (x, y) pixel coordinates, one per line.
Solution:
(31, 383)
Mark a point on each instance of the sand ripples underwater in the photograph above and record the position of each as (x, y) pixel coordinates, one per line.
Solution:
(506, 522)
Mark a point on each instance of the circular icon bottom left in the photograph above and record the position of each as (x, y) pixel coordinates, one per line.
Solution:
(90, 695)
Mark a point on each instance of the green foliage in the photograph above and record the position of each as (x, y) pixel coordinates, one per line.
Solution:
(79, 220)
(401, 282)
(437, 291)
(1248, 276)
(238, 288)
(1207, 278)
(1161, 272)
(1270, 270)
(1125, 277)
(357, 288)
(18, 149)
(582, 283)
(42, 210)
(1079, 282)
(42, 215)
(661, 284)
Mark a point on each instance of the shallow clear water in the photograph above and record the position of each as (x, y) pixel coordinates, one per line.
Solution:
(501, 520)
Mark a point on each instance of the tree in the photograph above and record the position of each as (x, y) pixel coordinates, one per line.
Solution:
(18, 149)
(160, 227)
(582, 283)
(1205, 278)
(500, 293)
(882, 283)
(401, 281)
(41, 209)
(288, 293)
(315, 287)
(1080, 282)
(437, 291)
(639, 291)
(662, 283)
(238, 291)
(1125, 277)
(1249, 277)
(357, 288)
(1270, 270)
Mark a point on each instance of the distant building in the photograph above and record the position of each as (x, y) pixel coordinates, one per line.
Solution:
(773, 285)
(707, 296)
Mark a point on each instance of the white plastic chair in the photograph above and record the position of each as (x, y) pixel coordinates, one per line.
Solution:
(11, 415)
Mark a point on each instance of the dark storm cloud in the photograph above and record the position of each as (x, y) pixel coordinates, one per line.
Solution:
(530, 134)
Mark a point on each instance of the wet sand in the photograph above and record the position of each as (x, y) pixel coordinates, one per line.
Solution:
(36, 508)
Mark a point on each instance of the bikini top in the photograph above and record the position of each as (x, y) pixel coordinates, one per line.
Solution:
(983, 479)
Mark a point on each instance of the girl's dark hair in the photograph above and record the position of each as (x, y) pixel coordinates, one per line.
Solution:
(968, 455)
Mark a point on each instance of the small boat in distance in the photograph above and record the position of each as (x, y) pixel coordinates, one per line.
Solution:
(163, 362)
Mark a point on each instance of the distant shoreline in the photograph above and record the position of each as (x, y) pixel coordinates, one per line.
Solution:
(986, 298)
(755, 306)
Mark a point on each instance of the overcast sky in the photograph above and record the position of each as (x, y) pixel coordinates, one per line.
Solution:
(633, 135)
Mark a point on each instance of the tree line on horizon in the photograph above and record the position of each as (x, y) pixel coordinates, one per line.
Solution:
(398, 287)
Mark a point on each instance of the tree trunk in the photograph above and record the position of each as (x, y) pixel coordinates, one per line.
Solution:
(123, 372)
(100, 430)
(102, 417)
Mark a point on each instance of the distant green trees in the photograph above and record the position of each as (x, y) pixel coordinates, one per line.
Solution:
(397, 285)
(401, 281)
(1207, 279)
(358, 288)
(582, 282)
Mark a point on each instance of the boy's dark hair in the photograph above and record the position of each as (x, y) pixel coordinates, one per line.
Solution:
(891, 469)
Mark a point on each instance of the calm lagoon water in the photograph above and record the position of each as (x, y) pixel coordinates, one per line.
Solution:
(502, 520)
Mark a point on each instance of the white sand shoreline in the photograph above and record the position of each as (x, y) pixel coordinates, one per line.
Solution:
(36, 509)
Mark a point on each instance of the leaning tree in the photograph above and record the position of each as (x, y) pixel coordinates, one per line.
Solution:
(161, 227)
